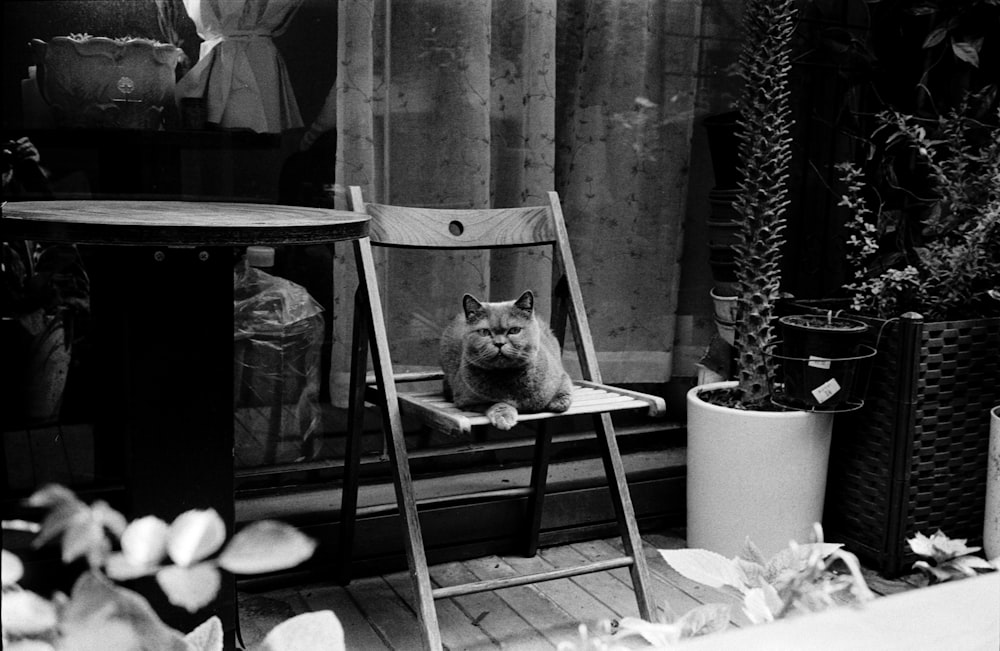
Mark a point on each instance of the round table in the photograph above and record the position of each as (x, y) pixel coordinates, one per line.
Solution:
(162, 302)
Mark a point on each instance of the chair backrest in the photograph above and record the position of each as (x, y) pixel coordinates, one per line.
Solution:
(494, 228)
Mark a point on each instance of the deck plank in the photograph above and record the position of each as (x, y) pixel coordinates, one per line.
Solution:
(543, 614)
(358, 630)
(581, 606)
(457, 629)
(489, 612)
(260, 612)
(603, 586)
(395, 622)
(664, 592)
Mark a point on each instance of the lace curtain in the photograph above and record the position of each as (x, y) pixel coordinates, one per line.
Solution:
(477, 104)
(627, 79)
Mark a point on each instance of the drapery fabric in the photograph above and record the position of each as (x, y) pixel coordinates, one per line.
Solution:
(461, 107)
(240, 72)
(627, 73)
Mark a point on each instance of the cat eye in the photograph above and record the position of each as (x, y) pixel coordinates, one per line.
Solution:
(485, 332)
(513, 331)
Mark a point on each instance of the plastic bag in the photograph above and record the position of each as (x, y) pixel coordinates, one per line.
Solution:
(277, 337)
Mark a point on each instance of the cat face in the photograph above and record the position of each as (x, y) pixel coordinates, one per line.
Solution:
(500, 335)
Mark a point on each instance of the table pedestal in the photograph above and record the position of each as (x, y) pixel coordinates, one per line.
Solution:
(162, 297)
(164, 322)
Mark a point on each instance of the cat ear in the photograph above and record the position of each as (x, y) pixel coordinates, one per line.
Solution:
(526, 302)
(471, 306)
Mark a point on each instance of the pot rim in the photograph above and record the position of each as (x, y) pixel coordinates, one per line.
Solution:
(857, 326)
(693, 397)
(722, 297)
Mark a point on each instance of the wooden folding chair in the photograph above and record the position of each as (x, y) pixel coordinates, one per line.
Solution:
(424, 228)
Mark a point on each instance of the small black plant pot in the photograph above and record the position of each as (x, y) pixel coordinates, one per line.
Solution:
(821, 335)
(821, 360)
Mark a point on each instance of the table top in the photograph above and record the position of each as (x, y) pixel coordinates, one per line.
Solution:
(177, 223)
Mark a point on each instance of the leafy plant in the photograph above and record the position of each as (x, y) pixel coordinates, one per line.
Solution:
(802, 578)
(764, 152)
(936, 250)
(43, 277)
(185, 557)
(945, 559)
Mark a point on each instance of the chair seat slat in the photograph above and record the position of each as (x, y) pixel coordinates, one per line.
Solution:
(587, 399)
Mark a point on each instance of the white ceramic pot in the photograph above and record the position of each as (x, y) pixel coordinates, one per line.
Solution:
(725, 306)
(991, 526)
(753, 474)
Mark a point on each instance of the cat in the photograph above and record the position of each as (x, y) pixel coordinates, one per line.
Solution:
(503, 355)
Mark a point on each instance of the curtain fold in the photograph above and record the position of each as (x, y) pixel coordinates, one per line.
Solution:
(626, 109)
(240, 73)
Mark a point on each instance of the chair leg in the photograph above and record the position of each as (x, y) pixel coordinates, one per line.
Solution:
(614, 469)
(393, 425)
(352, 446)
(539, 475)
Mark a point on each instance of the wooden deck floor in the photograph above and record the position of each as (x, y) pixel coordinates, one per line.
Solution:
(377, 612)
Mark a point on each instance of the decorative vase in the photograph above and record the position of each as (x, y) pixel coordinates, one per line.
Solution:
(98, 82)
(991, 524)
(753, 474)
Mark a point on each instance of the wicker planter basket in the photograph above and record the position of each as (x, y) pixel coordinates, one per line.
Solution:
(914, 458)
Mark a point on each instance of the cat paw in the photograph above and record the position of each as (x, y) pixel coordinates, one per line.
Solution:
(502, 416)
(560, 403)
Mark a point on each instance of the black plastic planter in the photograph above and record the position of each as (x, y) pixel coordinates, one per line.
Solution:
(821, 358)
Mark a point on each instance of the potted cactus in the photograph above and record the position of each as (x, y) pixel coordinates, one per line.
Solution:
(755, 469)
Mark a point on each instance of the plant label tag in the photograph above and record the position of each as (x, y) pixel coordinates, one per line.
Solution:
(819, 362)
(825, 391)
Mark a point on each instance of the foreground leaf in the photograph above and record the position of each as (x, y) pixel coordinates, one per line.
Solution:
(703, 566)
(939, 546)
(658, 635)
(207, 637)
(794, 558)
(96, 604)
(144, 541)
(26, 613)
(318, 631)
(762, 604)
(266, 546)
(119, 568)
(63, 508)
(705, 619)
(85, 537)
(191, 588)
(194, 536)
(11, 569)
(103, 635)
